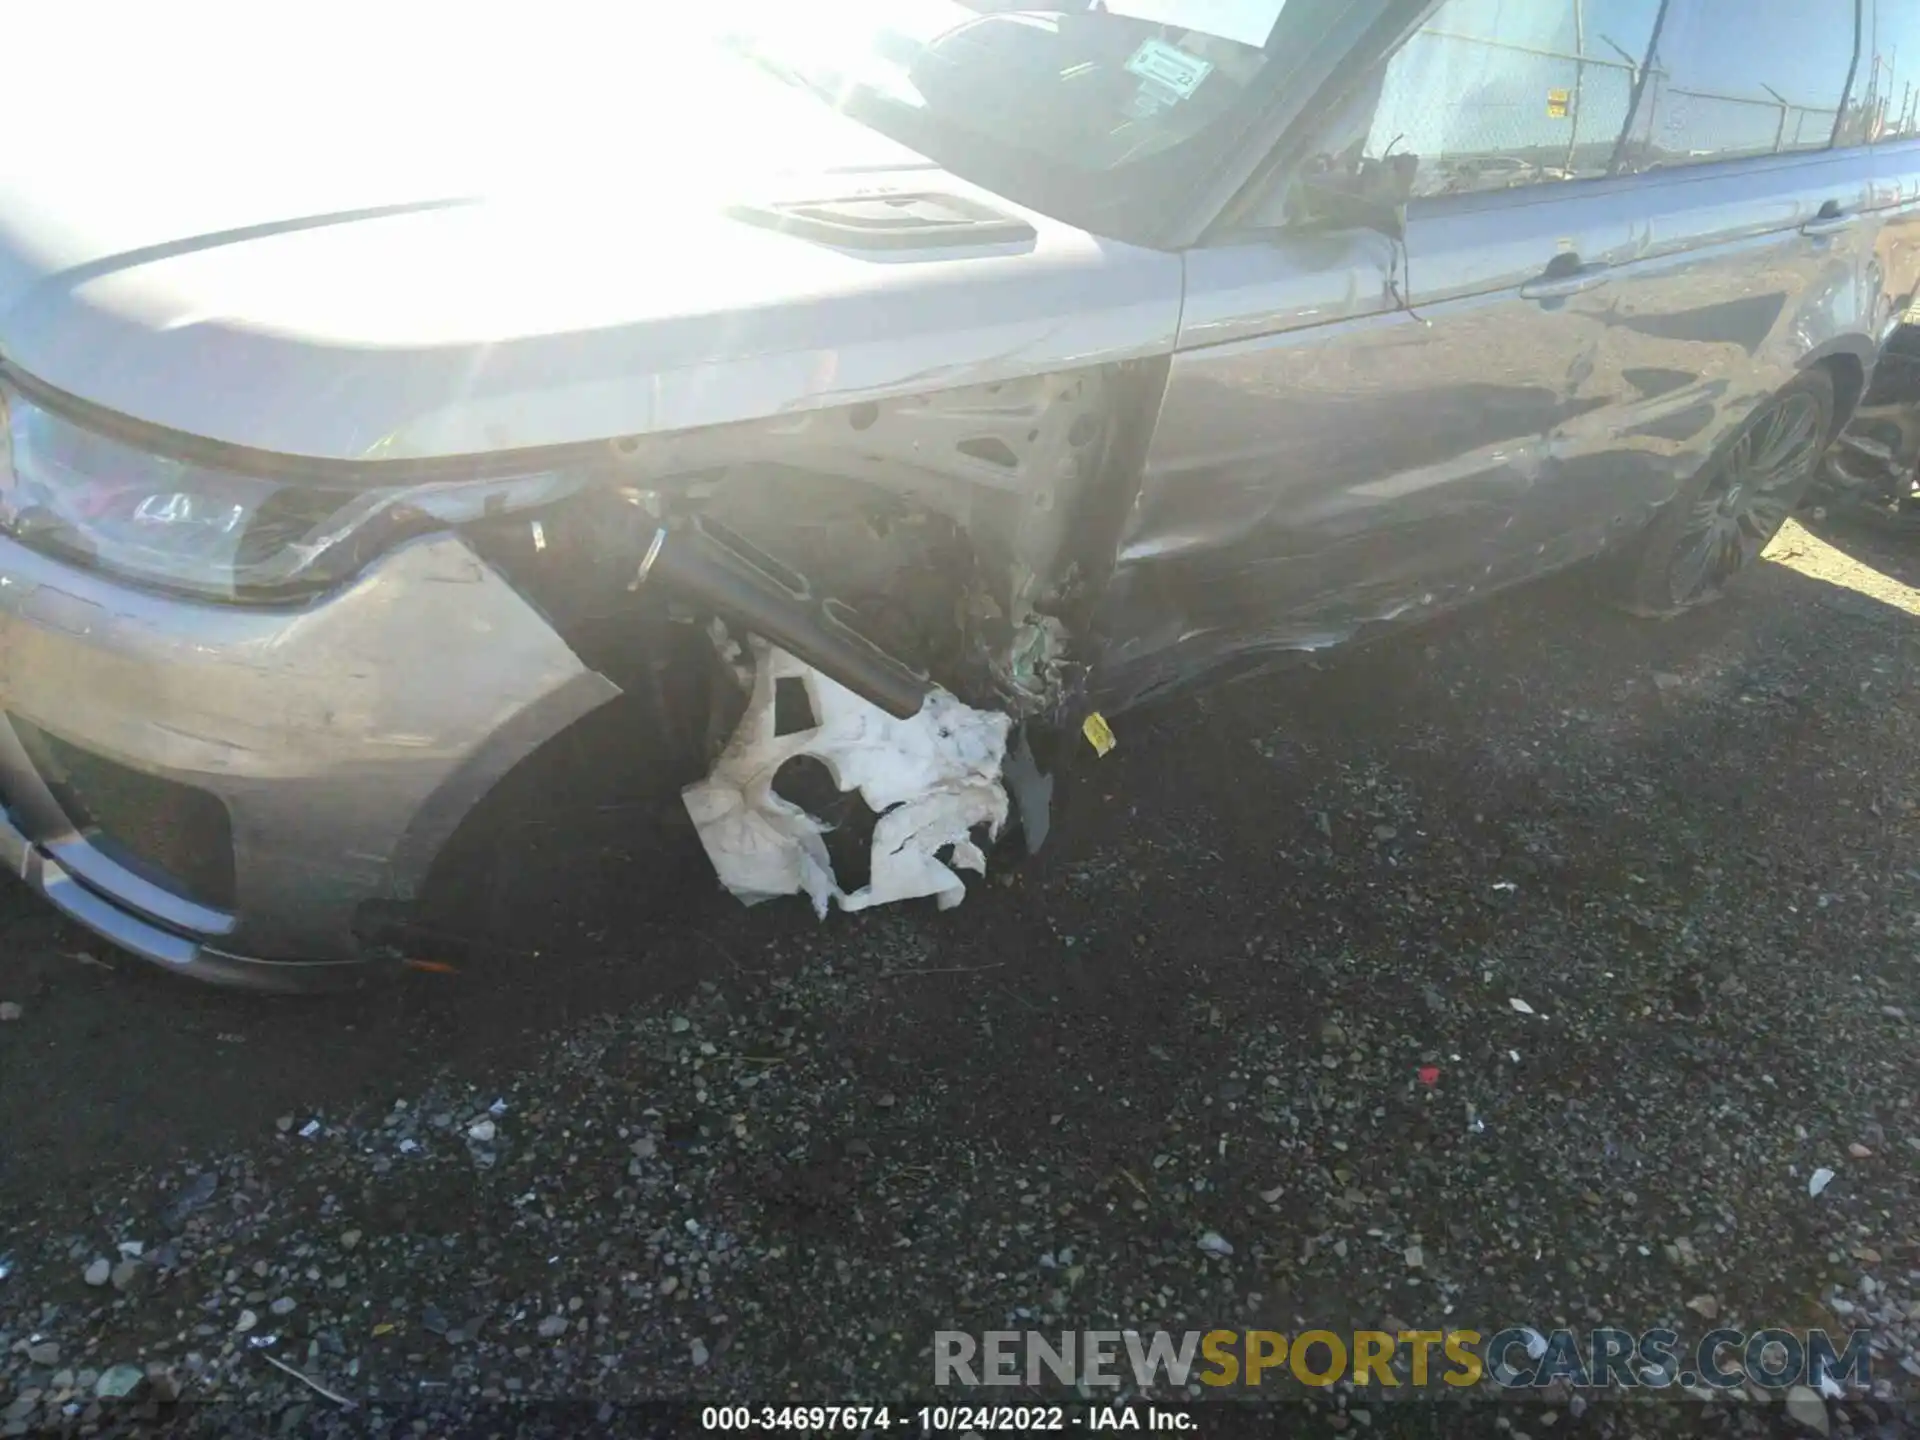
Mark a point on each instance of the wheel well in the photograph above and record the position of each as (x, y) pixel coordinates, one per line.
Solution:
(1849, 378)
(585, 833)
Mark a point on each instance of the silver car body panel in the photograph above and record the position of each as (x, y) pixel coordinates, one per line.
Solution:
(345, 739)
(1330, 457)
(539, 278)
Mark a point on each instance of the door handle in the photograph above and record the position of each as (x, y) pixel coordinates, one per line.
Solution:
(1830, 221)
(1560, 279)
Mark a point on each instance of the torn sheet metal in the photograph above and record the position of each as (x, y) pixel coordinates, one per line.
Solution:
(930, 780)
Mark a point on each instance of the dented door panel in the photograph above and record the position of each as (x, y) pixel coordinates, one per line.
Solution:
(1344, 459)
(1726, 303)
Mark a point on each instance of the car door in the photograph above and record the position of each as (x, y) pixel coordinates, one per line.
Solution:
(1356, 430)
(1757, 257)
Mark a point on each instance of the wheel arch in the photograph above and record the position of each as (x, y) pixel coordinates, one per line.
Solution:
(1849, 361)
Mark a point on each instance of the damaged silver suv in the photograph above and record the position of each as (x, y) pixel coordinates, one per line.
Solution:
(374, 413)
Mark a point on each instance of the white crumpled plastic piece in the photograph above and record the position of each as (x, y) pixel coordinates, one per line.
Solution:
(930, 780)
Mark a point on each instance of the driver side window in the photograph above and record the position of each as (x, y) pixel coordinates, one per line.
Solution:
(1493, 94)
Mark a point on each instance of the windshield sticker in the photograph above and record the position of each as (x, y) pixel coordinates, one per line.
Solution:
(1246, 22)
(1169, 69)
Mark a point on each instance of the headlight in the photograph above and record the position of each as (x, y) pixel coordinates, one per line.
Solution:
(76, 494)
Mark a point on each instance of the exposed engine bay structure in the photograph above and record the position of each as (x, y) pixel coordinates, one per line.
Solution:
(954, 538)
(931, 561)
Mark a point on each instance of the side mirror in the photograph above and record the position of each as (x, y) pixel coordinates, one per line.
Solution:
(1343, 209)
(1372, 196)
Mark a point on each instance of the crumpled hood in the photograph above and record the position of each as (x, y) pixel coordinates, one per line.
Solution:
(403, 236)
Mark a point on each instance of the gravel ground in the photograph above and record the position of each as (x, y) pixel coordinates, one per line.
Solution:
(646, 1144)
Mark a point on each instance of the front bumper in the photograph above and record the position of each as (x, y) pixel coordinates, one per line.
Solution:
(221, 790)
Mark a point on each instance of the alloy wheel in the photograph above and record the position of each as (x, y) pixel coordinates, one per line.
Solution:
(1752, 492)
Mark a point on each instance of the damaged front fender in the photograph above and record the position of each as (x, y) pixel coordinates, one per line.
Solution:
(967, 534)
(928, 569)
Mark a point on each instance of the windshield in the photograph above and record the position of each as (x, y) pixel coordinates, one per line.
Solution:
(1079, 108)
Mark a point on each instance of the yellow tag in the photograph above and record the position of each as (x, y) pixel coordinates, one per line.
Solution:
(1099, 734)
(1559, 104)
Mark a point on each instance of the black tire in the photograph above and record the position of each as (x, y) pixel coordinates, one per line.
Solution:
(1734, 506)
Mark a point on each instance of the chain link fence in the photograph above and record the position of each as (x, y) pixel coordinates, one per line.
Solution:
(1690, 123)
(1481, 113)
